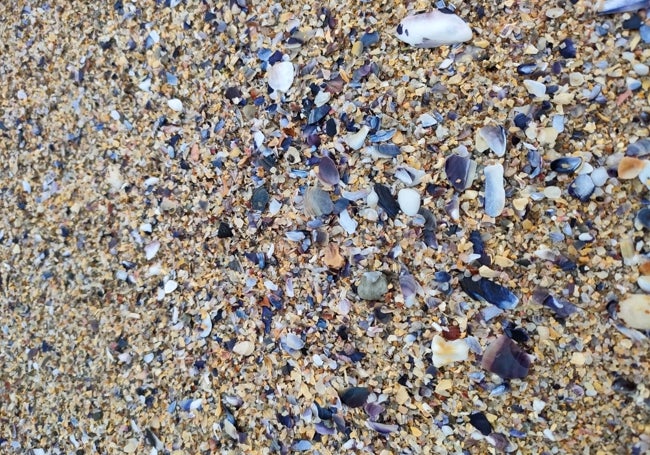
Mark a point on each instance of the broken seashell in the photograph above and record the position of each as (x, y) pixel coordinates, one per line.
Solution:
(433, 29)
(493, 138)
(506, 359)
(281, 76)
(444, 352)
(635, 311)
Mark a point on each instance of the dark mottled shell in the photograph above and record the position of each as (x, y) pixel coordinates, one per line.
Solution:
(318, 113)
(480, 422)
(354, 397)
(566, 164)
(643, 217)
(260, 198)
(506, 359)
(489, 291)
(328, 173)
(387, 200)
(639, 148)
(458, 169)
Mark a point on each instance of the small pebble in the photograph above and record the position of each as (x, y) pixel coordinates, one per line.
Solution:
(599, 176)
(175, 104)
(535, 88)
(409, 201)
(373, 286)
(553, 192)
(244, 348)
(641, 69)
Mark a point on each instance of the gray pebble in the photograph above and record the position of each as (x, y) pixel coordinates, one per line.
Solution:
(373, 286)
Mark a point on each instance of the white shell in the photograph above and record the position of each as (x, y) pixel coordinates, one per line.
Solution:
(281, 76)
(495, 194)
(433, 29)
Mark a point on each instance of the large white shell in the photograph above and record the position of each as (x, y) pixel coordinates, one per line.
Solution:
(433, 29)
(281, 76)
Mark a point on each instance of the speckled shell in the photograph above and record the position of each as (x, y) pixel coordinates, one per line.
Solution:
(433, 29)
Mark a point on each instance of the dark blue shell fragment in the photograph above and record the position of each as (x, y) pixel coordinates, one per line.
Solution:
(489, 291)
(387, 200)
(355, 397)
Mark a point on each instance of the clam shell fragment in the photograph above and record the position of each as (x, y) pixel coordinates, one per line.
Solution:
(433, 29)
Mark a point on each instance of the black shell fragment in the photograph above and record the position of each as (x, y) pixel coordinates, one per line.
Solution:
(623, 385)
(480, 422)
(582, 187)
(566, 164)
(260, 198)
(354, 397)
(224, 231)
(387, 200)
(489, 291)
(506, 359)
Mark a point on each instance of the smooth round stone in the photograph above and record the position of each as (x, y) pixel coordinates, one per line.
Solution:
(175, 104)
(409, 201)
(373, 286)
(599, 176)
(553, 192)
(641, 69)
(644, 283)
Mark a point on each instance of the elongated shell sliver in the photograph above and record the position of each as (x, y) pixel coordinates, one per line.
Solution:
(433, 29)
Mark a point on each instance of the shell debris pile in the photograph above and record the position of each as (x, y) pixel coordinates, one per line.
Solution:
(324, 227)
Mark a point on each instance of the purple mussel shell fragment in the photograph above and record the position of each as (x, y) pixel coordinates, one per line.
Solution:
(460, 170)
(506, 359)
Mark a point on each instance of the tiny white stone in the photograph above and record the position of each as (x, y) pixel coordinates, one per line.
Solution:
(145, 85)
(535, 88)
(281, 76)
(293, 341)
(409, 201)
(170, 286)
(433, 29)
(115, 115)
(644, 283)
(154, 35)
(427, 120)
(553, 192)
(372, 199)
(538, 404)
(175, 104)
(151, 249)
(495, 194)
